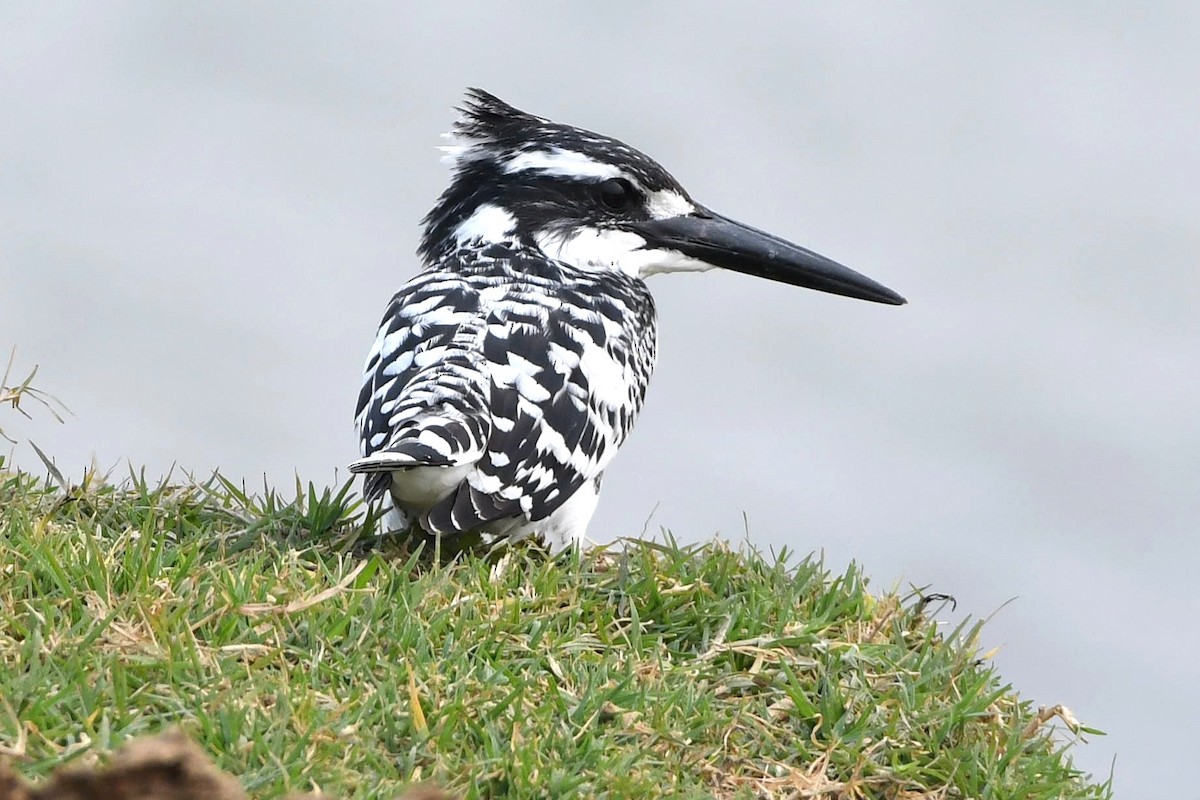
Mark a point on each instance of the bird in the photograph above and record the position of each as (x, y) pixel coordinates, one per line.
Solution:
(507, 373)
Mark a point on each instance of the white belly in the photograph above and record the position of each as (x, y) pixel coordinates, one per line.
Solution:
(418, 488)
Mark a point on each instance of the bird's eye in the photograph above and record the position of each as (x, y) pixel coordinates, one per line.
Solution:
(616, 193)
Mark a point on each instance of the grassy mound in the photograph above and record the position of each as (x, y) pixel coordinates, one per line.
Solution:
(658, 671)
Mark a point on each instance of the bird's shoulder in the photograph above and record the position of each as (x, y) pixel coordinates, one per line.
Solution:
(465, 293)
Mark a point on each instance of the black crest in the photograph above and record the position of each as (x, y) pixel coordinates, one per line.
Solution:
(485, 116)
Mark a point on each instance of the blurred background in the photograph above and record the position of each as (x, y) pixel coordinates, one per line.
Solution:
(205, 208)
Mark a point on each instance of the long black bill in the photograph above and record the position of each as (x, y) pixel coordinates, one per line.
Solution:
(724, 242)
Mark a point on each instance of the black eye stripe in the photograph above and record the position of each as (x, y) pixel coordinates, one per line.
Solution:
(616, 194)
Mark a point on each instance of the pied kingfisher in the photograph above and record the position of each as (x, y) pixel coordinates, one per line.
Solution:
(507, 373)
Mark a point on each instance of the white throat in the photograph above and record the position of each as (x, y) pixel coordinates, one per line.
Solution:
(622, 251)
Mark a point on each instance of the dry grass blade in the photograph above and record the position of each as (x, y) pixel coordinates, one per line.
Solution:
(304, 603)
(1047, 713)
(13, 394)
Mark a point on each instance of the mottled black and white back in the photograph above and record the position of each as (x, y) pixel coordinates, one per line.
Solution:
(506, 374)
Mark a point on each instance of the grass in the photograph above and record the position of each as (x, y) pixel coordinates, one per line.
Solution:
(257, 625)
(13, 394)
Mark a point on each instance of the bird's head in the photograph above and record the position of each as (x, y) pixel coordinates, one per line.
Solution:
(596, 203)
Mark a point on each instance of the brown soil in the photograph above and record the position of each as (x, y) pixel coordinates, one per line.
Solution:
(165, 767)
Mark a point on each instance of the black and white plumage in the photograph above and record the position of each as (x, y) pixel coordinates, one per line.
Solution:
(507, 373)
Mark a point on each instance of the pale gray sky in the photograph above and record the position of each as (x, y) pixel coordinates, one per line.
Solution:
(206, 208)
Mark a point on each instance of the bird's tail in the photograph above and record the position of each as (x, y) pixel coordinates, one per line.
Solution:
(401, 455)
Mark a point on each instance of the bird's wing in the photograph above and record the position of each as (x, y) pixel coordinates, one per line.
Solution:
(569, 363)
(424, 397)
